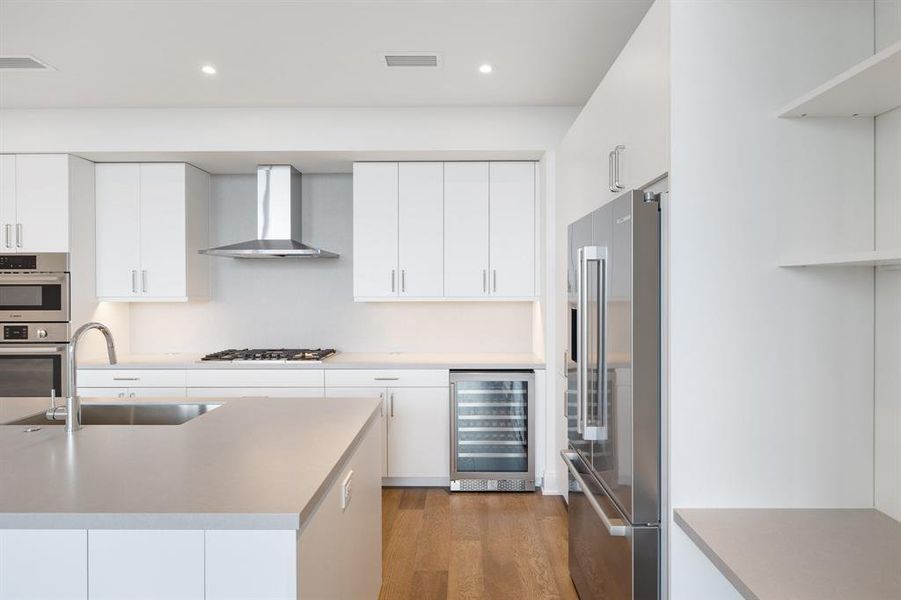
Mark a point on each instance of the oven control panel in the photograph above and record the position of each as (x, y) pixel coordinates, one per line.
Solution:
(34, 332)
(18, 262)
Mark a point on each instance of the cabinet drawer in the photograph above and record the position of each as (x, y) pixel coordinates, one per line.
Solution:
(131, 378)
(255, 378)
(255, 392)
(387, 378)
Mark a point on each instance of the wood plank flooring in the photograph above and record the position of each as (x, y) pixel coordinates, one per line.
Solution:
(478, 546)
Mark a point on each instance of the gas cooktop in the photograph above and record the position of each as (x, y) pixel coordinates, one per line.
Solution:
(271, 355)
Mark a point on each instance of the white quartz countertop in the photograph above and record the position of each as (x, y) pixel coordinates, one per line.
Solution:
(801, 554)
(341, 360)
(253, 463)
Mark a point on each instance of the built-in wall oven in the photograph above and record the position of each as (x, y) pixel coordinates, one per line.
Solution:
(34, 324)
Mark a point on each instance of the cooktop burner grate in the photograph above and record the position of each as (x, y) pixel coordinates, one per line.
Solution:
(271, 354)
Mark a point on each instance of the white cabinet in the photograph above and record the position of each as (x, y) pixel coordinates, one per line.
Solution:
(241, 565)
(152, 218)
(445, 230)
(375, 242)
(34, 202)
(368, 392)
(49, 564)
(151, 564)
(254, 392)
(421, 229)
(512, 228)
(418, 432)
(466, 229)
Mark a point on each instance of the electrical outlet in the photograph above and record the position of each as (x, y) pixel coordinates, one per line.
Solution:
(346, 489)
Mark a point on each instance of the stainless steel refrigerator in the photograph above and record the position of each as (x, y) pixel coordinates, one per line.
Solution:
(613, 400)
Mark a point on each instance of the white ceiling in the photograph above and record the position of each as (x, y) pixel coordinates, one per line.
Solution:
(148, 53)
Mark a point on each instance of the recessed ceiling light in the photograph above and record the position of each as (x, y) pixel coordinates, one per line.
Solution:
(486, 68)
(208, 69)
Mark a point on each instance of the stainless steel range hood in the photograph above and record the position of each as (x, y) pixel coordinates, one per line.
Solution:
(278, 219)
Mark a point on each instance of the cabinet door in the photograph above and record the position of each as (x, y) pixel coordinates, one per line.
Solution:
(421, 229)
(42, 203)
(418, 432)
(7, 202)
(465, 229)
(43, 563)
(136, 393)
(163, 231)
(151, 564)
(102, 392)
(512, 229)
(375, 230)
(364, 392)
(254, 392)
(118, 198)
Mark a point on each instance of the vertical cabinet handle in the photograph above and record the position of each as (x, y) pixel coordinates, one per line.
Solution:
(18, 235)
(382, 404)
(403, 280)
(392, 281)
(392, 403)
(8, 235)
(617, 184)
(494, 280)
(134, 281)
(484, 281)
(610, 168)
(144, 280)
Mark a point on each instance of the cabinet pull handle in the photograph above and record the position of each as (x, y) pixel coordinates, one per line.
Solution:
(494, 279)
(392, 403)
(610, 168)
(392, 281)
(121, 394)
(484, 280)
(386, 378)
(144, 280)
(18, 235)
(403, 280)
(8, 231)
(617, 185)
(134, 281)
(382, 404)
(126, 379)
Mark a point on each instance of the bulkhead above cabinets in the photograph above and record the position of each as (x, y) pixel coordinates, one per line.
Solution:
(152, 218)
(444, 231)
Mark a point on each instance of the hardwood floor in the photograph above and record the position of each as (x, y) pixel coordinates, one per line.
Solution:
(489, 546)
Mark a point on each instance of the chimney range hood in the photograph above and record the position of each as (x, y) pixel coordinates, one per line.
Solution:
(278, 220)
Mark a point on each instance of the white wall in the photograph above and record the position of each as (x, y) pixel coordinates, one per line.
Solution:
(284, 129)
(309, 303)
(771, 396)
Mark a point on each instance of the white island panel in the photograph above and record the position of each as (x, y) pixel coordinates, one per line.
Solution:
(43, 564)
(243, 565)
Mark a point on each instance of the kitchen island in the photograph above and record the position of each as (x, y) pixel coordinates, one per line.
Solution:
(245, 501)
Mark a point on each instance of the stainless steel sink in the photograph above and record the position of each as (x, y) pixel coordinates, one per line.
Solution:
(128, 414)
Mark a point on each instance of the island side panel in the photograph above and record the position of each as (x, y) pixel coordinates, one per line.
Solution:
(340, 550)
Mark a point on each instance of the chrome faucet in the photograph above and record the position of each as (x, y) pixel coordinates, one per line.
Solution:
(71, 412)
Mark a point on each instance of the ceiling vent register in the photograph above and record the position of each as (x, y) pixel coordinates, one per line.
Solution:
(23, 62)
(396, 59)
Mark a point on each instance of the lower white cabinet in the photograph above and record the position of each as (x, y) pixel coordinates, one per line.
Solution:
(146, 564)
(133, 393)
(418, 432)
(42, 564)
(251, 564)
(254, 392)
(367, 392)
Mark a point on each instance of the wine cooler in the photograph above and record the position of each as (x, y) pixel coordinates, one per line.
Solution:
(492, 417)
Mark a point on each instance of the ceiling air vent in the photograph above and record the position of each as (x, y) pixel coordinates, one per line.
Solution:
(23, 62)
(411, 59)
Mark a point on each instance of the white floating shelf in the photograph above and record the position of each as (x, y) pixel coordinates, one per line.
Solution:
(867, 89)
(872, 258)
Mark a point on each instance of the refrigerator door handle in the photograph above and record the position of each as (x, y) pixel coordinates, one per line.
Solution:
(582, 342)
(592, 254)
(615, 527)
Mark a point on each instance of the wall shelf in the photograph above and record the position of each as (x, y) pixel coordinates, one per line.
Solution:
(871, 258)
(869, 88)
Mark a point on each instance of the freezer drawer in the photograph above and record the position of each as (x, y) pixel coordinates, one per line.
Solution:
(609, 559)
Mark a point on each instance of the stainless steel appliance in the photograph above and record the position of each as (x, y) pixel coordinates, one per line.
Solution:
(34, 287)
(271, 355)
(34, 324)
(492, 416)
(613, 400)
(278, 220)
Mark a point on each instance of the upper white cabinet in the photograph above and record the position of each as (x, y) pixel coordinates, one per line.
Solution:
(432, 230)
(421, 229)
(375, 230)
(152, 218)
(512, 229)
(35, 191)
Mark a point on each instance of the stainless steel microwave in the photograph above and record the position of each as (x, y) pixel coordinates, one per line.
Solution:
(34, 287)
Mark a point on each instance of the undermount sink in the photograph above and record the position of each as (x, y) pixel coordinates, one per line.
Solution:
(128, 414)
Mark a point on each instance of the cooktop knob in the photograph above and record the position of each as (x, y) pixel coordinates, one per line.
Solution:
(42, 333)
